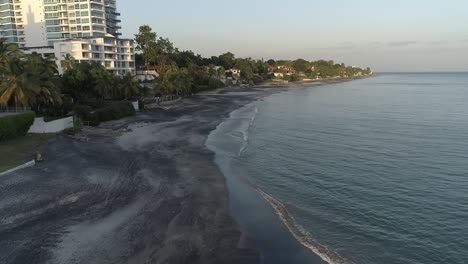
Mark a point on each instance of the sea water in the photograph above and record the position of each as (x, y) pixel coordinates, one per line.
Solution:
(368, 171)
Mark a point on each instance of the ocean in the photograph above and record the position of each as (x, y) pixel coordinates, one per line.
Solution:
(368, 171)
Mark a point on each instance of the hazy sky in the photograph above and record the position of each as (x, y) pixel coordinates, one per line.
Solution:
(397, 35)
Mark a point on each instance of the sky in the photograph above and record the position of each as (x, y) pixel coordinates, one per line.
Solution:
(388, 36)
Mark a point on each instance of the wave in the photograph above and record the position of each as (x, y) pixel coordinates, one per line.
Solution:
(245, 132)
(299, 233)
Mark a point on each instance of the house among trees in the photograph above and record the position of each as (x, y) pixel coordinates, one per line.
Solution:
(286, 70)
(236, 73)
(147, 73)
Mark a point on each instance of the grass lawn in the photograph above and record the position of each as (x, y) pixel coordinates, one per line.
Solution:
(20, 150)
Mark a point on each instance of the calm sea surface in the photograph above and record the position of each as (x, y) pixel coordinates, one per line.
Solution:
(372, 171)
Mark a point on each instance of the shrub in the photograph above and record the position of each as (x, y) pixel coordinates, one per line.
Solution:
(215, 83)
(82, 110)
(112, 111)
(72, 131)
(201, 88)
(15, 125)
(94, 103)
(257, 79)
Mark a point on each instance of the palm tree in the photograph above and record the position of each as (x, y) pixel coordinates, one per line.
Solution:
(128, 86)
(7, 51)
(15, 83)
(104, 84)
(221, 73)
(29, 80)
(44, 73)
(68, 62)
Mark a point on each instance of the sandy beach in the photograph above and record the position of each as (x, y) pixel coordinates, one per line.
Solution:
(149, 193)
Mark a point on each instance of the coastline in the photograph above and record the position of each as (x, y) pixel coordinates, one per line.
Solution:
(242, 207)
(153, 193)
(310, 82)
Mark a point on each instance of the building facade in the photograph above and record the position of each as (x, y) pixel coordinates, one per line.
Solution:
(66, 19)
(8, 20)
(117, 55)
(43, 25)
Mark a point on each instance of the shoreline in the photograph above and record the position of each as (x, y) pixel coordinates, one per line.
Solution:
(152, 193)
(302, 236)
(312, 82)
(280, 211)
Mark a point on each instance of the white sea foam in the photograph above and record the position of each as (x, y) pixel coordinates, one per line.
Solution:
(299, 233)
(246, 128)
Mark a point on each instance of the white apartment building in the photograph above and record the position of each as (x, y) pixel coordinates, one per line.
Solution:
(117, 55)
(57, 26)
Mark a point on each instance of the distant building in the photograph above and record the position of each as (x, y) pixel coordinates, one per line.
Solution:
(234, 72)
(278, 74)
(147, 75)
(271, 68)
(287, 70)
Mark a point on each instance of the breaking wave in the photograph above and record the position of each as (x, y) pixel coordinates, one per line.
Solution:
(299, 233)
(245, 132)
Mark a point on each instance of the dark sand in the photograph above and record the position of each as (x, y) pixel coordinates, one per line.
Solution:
(150, 195)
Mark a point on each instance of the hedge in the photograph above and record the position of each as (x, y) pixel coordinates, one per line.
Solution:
(112, 111)
(16, 125)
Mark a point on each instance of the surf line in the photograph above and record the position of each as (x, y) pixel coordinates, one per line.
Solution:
(298, 232)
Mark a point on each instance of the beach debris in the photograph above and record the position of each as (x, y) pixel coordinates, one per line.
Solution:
(127, 130)
(38, 157)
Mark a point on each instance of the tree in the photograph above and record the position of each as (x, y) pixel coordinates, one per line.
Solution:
(227, 60)
(176, 81)
(104, 81)
(212, 72)
(301, 65)
(43, 72)
(145, 40)
(15, 85)
(29, 80)
(247, 68)
(79, 82)
(162, 53)
(261, 67)
(68, 62)
(221, 73)
(271, 62)
(128, 86)
(7, 51)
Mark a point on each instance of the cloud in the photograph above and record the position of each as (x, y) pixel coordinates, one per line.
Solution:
(338, 47)
(402, 43)
(439, 42)
(375, 44)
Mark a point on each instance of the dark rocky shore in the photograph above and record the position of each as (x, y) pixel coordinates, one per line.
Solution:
(150, 195)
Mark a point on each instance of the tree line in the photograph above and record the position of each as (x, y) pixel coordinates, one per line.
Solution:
(32, 81)
(184, 72)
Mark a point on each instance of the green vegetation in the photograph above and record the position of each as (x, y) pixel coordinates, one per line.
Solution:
(17, 151)
(183, 72)
(91, 81)
(15, 125)
(30, 81)
(95, 113)
(112, 111)
(27, 80)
